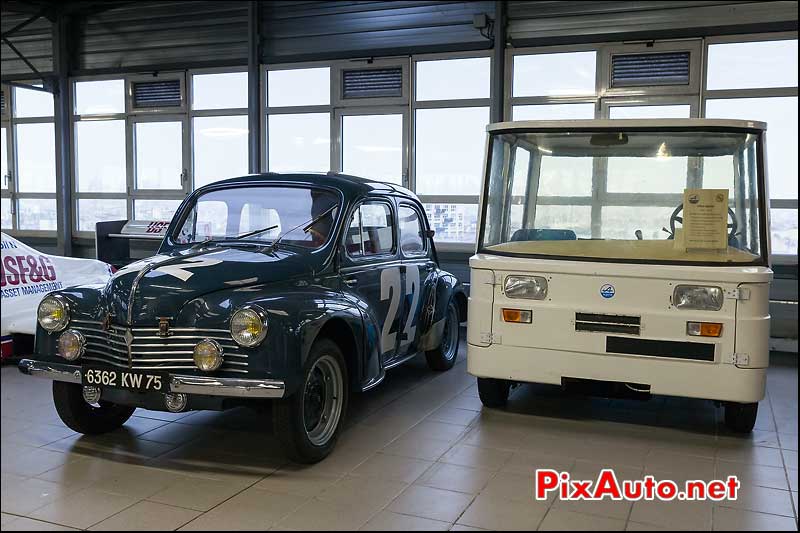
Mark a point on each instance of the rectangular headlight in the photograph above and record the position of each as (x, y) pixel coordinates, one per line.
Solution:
(697, 297)
(529, 287)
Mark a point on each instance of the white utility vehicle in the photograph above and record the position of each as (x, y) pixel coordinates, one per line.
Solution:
(627, 254)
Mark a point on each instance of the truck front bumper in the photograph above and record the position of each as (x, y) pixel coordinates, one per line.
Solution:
(203, 385)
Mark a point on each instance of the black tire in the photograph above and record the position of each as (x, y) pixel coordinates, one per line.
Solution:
(304, 445)
(493, 392)
(85, 418)
(444, 356)
(741, 417)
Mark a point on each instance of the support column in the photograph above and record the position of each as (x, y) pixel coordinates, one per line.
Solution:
(63, 135)
(499, 63)
(254, 86)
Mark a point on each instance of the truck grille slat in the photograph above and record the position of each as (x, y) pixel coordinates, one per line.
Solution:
(603, 323)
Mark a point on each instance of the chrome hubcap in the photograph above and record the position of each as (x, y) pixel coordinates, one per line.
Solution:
(322, 400)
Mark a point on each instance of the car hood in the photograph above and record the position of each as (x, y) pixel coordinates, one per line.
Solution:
(159, 286)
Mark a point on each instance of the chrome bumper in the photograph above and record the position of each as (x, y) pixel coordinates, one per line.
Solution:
(205, 385)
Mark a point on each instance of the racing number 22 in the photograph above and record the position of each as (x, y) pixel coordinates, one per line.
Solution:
(390, 288)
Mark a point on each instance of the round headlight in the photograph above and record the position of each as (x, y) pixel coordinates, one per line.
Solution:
(208, 355)
(71, 344)
(249, 326)
(53, 313)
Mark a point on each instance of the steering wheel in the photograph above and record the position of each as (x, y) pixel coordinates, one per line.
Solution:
(733, 225)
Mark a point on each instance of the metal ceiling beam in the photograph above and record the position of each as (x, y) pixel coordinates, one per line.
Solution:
(24, 23)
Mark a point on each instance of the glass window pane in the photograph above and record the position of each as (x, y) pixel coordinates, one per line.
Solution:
(554, 112)
(37, 214)
(752, 65)
(159, 155)
(99, 97)
(780, 114)
(220, 148)
(449, 150)
(452, 79)
(571, 73)
(570, 217)
(5, 214)
(100, 148)
(621, 222)
(31, 103)
(411, 239)
(36, 157)
(219, 91)
(306, 86)
(565, 176)
(453, 222)
(372, 147)
(377, 230)
(154, 209)
(95, 210)
(783, 229)
(650, 111)
(300, 142)
(4, 158)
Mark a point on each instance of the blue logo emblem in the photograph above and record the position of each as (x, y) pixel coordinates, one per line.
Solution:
(607, 291)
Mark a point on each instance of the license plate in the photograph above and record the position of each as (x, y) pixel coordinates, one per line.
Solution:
(124, 379)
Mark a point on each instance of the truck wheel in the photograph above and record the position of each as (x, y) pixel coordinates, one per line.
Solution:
(89, 419)
(741, 417)
(443, 357)
(493, 392)
(308, 422)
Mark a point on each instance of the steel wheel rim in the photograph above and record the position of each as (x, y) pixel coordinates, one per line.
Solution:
(323, 395)
(450, 335)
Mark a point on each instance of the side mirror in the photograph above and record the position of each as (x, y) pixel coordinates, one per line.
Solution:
(430, 233)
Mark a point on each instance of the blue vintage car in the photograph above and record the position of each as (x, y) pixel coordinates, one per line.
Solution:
(291, 289)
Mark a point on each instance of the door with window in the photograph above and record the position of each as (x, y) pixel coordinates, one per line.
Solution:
(419, 274)
(373, 143)
(371, 271)
(161, 161)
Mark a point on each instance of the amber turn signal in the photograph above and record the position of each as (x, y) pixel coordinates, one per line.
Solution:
(704, 329)
(520, 316)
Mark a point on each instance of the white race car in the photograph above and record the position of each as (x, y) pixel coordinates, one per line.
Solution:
(26, 275)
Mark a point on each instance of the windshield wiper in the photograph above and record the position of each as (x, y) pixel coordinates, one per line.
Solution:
(305, 225)
(251, 233)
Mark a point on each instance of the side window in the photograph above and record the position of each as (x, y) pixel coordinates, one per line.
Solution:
(371, 230)
(412, 243)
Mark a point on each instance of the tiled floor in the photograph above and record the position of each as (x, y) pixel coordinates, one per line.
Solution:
(420, 453)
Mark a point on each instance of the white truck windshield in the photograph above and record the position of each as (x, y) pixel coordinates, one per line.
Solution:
(625, 195)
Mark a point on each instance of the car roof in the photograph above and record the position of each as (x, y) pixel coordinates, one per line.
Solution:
(351, 186)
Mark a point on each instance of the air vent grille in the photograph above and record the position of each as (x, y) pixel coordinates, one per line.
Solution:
(372, 83)
(3, 102)
(670, 68)
(153, 94)
(632, 325)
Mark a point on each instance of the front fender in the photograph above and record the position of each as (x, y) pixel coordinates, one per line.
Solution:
(296, 317)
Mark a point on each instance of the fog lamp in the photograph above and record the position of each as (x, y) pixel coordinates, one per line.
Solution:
(704, 329)
(91, 394)
(71, 344)
(53, 313)
(520, 316)
(208, 355)
(175, 401)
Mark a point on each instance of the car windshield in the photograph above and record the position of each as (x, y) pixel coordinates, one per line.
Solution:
(241, 213)
(619, 195)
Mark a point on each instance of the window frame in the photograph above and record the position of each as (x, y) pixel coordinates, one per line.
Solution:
(377, 258)
(12, 192)
(420, 218)
(415, 105)
(719, 94)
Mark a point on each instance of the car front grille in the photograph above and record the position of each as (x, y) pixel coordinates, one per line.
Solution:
(149, 351)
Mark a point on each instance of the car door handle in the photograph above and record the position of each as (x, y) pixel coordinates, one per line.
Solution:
(351, 282)
(430, 267)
